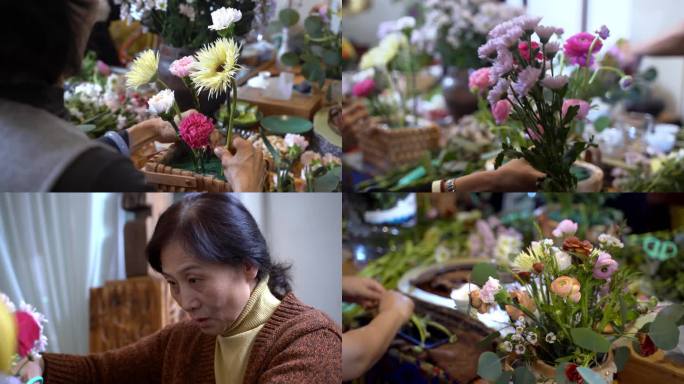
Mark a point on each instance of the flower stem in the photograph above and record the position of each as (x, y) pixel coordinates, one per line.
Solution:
(233, 107)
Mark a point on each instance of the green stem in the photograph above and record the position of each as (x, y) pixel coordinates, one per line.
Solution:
(233, 107)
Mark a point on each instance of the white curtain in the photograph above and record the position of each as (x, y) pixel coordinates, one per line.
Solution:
(53, 248)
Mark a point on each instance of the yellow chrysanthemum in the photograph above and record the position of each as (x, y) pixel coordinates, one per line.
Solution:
(216, 66)
(385, 52)
(143, 70)
(8, 343)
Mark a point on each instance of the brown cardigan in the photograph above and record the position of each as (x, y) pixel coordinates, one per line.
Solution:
(298, 344)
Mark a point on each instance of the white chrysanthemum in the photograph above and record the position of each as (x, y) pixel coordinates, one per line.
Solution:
(4, 299)
(143, 70)
(216, 66)
(161, 102)
(609, 241)
(224, 18)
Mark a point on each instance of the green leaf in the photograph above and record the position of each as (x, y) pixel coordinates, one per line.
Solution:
(288, 17)
(621, 357)
(674, 312)
(560, 374)
(481, 273)
(589, 376)
(290, 59)
(489, 366)
(313, 72)
(314, 26)
(590, 340)
(523, 375)
(664, 332)
(86, 128)
(602, 123)
(326, 183)
(505, 377)
(331, 57)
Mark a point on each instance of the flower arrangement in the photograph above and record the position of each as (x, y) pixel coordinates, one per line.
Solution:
(293, 168)
(28, 325)
(213, 69)
(454, 29)
(664, 173)
(569, 313)
(525, 86)
(189, 23)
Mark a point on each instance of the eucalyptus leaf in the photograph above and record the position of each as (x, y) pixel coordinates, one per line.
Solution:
(590, 340)
(331, 57)
(288, 17)
(601, 123)
(489, 366)
(621, 357)
(290, 59)
(589, 376)
(664, 332)
(314, 26)
(481, 273)
(560, 374)
(326, 183)
(674, 312)
(523, 375)
(505, 378)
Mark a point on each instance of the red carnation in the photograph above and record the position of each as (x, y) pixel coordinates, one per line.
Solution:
(195, 130)
(572, 374)
(28, 332)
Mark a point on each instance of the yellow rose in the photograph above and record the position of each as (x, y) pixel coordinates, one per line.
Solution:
(8, 341)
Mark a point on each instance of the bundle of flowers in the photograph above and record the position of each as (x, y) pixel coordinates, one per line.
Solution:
(190, 23)
(100, 102)
(569, 313)
(454, 29)
(28, 325)
(293, 168)
(525, 85)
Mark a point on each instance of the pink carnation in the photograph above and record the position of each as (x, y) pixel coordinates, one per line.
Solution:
(479, 81)
(583, 107)
(364, 88)
(577, 48)
(28, 332)
(501, 111)
(182, 66)
(195, 130)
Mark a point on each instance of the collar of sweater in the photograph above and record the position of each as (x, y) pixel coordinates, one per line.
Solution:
(259, 308)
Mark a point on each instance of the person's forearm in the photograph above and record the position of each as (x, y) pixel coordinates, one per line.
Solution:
(475, 182)
(671, 44)
(363, 347)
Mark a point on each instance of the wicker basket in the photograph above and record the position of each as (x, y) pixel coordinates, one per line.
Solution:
(387, 149)
(168, 179)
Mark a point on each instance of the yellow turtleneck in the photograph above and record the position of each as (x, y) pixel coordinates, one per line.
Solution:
(233, 347)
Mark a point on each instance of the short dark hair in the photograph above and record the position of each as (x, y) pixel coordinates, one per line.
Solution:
(217, 228)
(39, 43)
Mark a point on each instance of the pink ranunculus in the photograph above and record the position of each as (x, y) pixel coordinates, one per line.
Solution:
(524, 50)
(292, 140)
(182, 67)
(605, 266)
(565, 227)
(577, 47)
(28, 332)
(364, 88)
(583, 107)
(478, 82)
(501, 111)
(195, 130)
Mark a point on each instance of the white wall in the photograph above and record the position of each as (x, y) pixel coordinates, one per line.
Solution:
(362, 29)
(306, 230)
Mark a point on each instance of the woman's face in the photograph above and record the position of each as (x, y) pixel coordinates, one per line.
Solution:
(212, 294)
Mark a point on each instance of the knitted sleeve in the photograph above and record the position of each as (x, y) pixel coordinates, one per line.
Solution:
(314, 357)
(139, 363)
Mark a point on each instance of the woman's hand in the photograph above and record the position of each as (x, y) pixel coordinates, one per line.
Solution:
(401, 306)
(27, 369)
(362, 290)
(516, 176)
(244, 170)
(150, 130)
